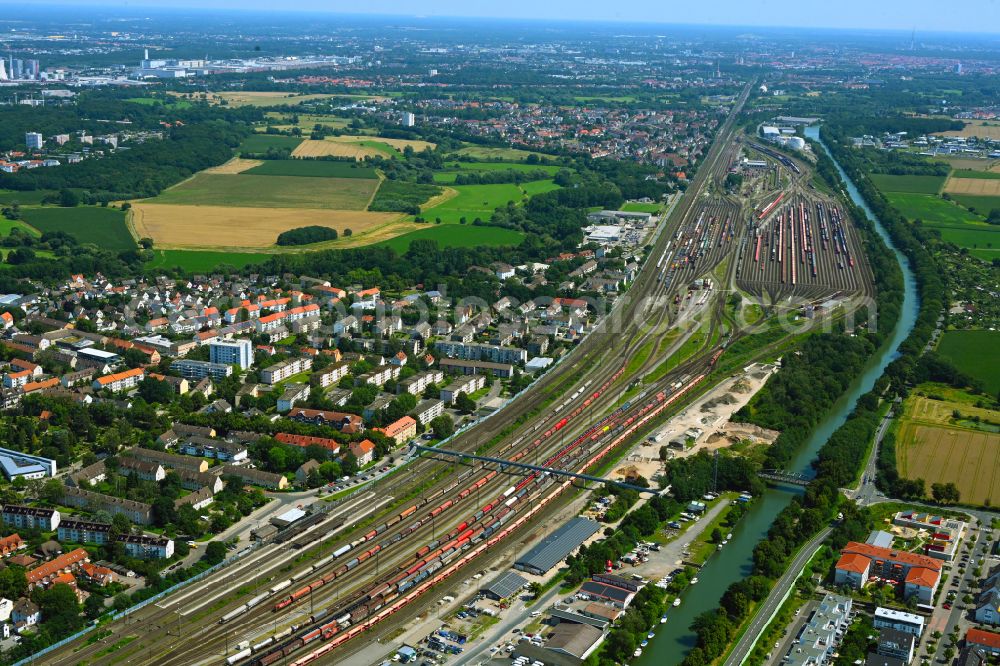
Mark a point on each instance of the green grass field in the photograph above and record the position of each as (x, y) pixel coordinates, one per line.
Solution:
(930, 209)
(635, 207)
(972, 173)
(194, 261)
(6, 226)
(976, 353)
(452, 169)
(981, 205)
(25, 198)
(261, 143)
(538, 187)
(493, 153)
(312, 168)
(908, 184)
(153, 101)
(242, 190)
(457, 236)
(955, 223)
(605, 98)
(105, 227)
(475, 201)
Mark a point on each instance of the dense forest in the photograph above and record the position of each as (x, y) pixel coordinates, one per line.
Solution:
(144, 169)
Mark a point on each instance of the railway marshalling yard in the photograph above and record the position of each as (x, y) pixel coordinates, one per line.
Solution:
(365, 570)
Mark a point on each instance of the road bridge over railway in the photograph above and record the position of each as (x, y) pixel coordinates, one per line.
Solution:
(780, 476)
(503, 462)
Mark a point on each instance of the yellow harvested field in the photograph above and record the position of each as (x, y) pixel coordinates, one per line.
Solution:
(969, 459)
(235, 165)
(984, 129)
(213, 227)
(357, 146)
(987, 187)
(930, 445)
(314, 148)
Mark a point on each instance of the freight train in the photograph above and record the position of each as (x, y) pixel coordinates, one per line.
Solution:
(384, 599)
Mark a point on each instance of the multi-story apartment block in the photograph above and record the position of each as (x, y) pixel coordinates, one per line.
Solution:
(193, 369)
(232, 352)
(468, 384)
(284, 369)
(30, 517)
(120, 381)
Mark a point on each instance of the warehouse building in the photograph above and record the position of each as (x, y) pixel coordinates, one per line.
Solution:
(554, 548)
(504, 586)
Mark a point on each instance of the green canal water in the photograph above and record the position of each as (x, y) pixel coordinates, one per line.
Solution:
(675, 639)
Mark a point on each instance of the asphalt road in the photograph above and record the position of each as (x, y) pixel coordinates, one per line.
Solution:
(774, 600)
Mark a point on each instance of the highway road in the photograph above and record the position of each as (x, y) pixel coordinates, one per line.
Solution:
(766, 611)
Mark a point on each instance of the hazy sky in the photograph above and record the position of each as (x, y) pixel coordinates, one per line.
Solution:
(938, 15)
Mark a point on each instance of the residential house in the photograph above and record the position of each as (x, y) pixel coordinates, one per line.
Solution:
(256, 477)
(147, 471)
(169, 460)
(331, 445)
(302, 473)
(10, 544)
(197, 499)
(363, 451)
(344, 422)
(401, 430)
(988, 641)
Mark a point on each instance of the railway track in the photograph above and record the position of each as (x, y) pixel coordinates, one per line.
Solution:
(598, 362)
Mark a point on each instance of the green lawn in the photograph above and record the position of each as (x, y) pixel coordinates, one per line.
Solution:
(475, 201)
(208, 189)
(194, 261)
(312, 168)
(105, 227)
(908, 184)
(972, 173)
(976, 353)
(261, 143)
(956, 224)
(454, 235)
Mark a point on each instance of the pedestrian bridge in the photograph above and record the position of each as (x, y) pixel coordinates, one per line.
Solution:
(502, 463)
(781, 476)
